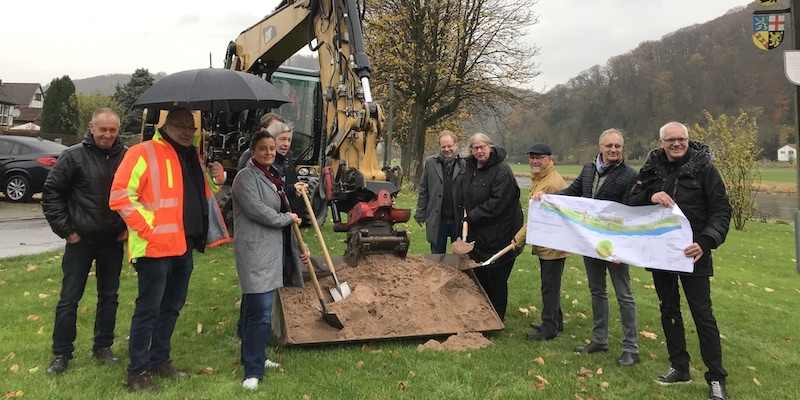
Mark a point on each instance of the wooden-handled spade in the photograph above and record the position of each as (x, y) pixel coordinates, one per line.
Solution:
(461, 246)
(328, 316)
(473, 264)
(342, 290)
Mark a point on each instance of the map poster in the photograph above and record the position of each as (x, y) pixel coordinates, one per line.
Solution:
(646, 236)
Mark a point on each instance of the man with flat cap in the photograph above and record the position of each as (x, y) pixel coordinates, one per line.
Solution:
(545, 178)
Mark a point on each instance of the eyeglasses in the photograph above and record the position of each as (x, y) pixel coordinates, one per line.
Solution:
(612, 146)
(184, 127)
(480, 148)
(537, 157)
(680, 140)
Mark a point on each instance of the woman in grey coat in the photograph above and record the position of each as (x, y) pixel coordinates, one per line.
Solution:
(266, 252)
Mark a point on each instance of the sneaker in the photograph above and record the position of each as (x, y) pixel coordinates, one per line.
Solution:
(716, 391)
(250, 383)
(271, 364)
(674, 376)
(142, 382)
(166, 370)
(58, 364)
(105, 355)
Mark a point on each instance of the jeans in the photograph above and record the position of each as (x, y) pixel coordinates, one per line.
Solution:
(621, 279)
(448, 229)
(552, 316)
(494, 280)
(256, 331)
(163, 285)
(698, 294)
(75, 265)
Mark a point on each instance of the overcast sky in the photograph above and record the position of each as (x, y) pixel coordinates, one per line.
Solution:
(85, 38)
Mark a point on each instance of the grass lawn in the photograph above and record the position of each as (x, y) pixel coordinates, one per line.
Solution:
(754, 290)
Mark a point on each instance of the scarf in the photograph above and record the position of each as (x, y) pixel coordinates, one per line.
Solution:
(601, 166)
(275, 177)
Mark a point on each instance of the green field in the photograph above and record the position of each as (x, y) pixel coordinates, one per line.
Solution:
(755, 291)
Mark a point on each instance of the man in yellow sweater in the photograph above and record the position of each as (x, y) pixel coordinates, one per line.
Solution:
(545, 178)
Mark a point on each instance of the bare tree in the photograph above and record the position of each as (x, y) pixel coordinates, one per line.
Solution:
(450, 59)
(733, 141)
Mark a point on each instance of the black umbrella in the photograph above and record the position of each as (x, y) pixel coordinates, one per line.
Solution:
(211, 89)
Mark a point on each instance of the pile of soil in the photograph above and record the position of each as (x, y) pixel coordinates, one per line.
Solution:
(391, 298)
(459, 342)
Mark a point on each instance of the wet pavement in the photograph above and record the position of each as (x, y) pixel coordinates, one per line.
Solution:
(24, 231)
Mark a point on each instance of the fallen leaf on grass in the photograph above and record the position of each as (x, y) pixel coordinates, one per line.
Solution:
(40, 331)
(769, 290)
(30, 267)
(411, 374)
(50, 280)
(14, 368)
(214, 261)
(12, 394)
(542, 380)
(749, 284)
(523, 311)
(787, 340)
(721, 336)
(199, 328)
(10, 356)
(539, 360)
(599, 371)
(2, 282)
(402, 385)
(603, 386)
(755, 380)
(637, 280)
(43, 296)
(751, 368)
(83, 310)
(26, 294)
(34, 370)
(586, 372)
(649, 286)
(575, 302)
(306, 397)
(649, 335)
(33, 317)
(360, 364)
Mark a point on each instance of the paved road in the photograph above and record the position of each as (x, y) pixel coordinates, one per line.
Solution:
(25, 231)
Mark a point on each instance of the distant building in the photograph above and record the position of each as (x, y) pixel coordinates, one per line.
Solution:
(29, 99)
(787, 153)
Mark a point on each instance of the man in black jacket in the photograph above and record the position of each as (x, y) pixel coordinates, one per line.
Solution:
(75, 203)
(607, 177)
(681, 173)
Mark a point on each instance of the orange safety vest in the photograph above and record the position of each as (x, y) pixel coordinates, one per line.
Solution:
(148, 194)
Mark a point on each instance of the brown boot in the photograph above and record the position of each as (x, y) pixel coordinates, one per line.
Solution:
(142, 382)
(166, 370)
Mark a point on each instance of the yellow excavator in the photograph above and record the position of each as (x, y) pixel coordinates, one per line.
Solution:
(351, 179)
(337, 127)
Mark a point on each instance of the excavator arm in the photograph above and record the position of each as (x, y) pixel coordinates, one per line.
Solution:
(354, 181)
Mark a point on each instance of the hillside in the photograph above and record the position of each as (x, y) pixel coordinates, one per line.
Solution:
(712, 66)
(106, 84)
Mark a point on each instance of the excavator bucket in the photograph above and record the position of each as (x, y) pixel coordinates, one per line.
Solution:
(392, 298)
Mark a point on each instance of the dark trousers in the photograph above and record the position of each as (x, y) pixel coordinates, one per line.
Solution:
(448, 229)
(256, 331)
(75, 265)
(552, 316)
(163, 285)
(494, 280)
(698, 294)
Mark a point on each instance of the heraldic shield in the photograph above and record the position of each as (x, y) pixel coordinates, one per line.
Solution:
(768, 30)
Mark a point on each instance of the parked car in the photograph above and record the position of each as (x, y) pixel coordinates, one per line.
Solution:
(24, 165)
